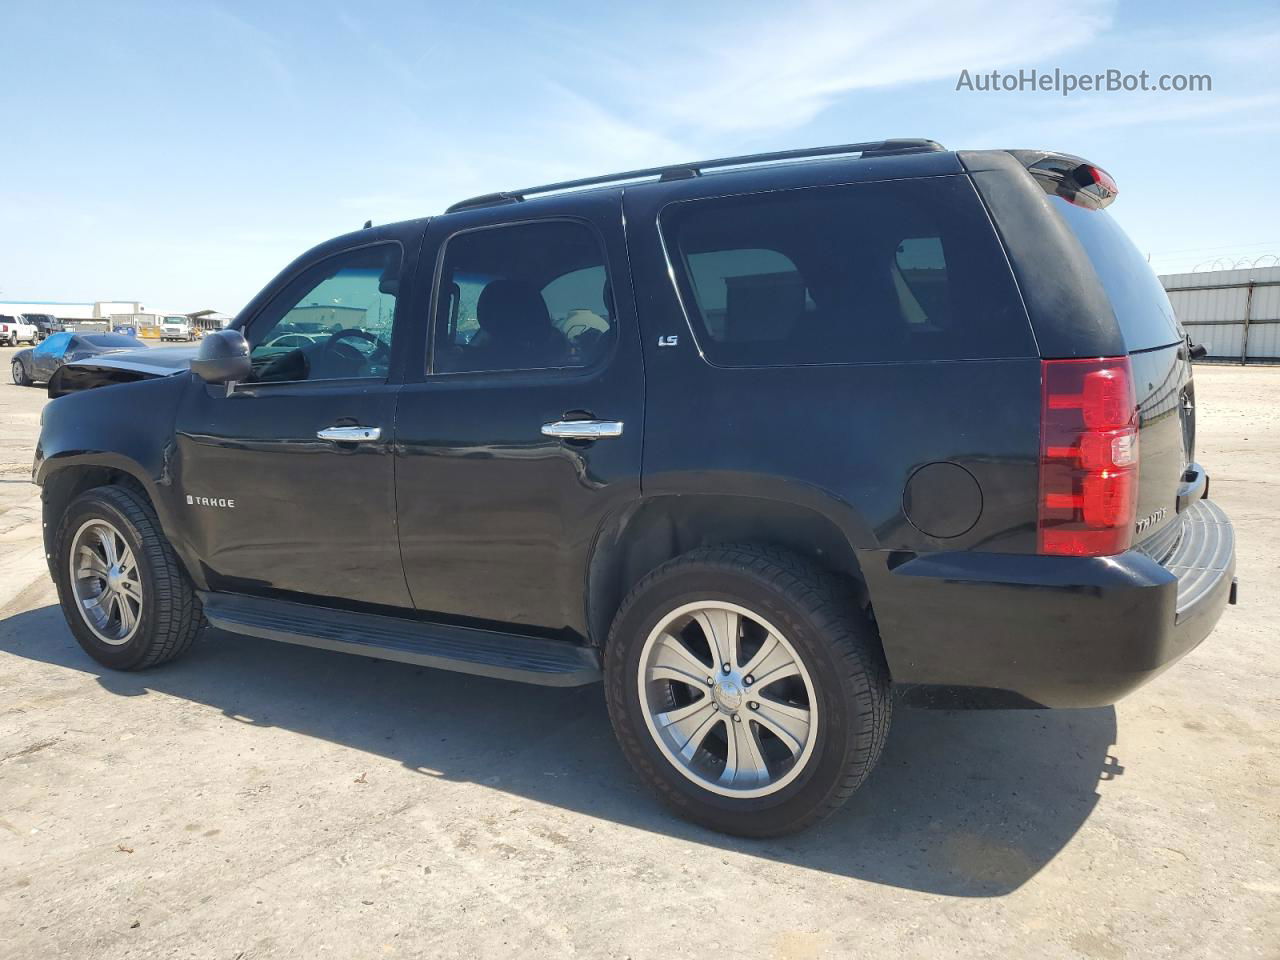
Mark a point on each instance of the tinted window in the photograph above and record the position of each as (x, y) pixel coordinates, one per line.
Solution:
(334, 322)
(54, 344)
(1142, 307)
(902, 270)
(527, 296)
(109, 340)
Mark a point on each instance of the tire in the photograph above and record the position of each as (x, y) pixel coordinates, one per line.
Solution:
(19, 372)
(168, 617)
(841, 685)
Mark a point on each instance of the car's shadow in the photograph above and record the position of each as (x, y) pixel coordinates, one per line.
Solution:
(964, 803)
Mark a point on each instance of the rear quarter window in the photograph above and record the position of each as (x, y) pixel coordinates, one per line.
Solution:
(861, 273)
(1140, 303)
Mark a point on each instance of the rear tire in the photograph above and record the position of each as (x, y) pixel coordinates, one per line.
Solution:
(128, 602)
(801, 745)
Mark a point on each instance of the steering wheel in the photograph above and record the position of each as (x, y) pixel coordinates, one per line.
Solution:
(347, 352)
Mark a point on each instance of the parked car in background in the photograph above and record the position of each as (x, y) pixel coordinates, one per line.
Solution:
(38, 364)
(15, 330)
(752, 442)
(175, 328)
(45, 324)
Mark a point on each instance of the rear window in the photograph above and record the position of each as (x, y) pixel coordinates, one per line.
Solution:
(862, 273)
(1141, 306)
(110, 340)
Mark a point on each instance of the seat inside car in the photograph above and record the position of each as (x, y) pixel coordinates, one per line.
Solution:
(517, 329)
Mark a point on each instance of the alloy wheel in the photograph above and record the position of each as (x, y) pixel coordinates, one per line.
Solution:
(727, 699)
(106, 583)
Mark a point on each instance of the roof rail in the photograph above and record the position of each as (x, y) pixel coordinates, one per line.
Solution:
(683, 171)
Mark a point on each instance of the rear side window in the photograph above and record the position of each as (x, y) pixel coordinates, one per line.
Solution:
(1141, 306)
(862, 273)
(523, 296)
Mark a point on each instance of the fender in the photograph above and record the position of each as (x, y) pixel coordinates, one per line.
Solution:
(124, 431)
(650, 531)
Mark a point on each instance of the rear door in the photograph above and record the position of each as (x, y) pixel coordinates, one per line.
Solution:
(519, 434)
(1158, 354)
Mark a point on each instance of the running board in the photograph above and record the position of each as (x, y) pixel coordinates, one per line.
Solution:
(486, 653)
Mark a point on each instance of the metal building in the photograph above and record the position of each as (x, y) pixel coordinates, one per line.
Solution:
(1235, 314)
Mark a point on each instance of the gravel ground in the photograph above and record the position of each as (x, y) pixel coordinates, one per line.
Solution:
(263, 800)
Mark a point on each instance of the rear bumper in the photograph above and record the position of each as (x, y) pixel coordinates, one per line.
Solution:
(1054, 631)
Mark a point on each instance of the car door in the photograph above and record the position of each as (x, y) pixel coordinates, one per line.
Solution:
(518, 436)
(287, 480)
(46, 356)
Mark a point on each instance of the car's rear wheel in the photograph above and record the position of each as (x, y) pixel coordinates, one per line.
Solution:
(747, 689)
(126, 599)
(19, 371)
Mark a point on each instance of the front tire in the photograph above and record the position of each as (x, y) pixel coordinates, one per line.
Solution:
(747, 689)
(19, 372)
(124, 595)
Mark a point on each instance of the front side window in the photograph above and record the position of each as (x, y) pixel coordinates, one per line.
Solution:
(529, 296)
(334, 322)
(874, 272)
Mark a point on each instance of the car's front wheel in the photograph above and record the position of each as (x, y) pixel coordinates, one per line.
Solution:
(19, 372)
(124, 595)
(747, 689)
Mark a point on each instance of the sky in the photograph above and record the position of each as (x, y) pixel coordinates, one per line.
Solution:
(180, 154)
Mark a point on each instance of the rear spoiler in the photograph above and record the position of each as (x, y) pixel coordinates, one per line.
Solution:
(1073, 178)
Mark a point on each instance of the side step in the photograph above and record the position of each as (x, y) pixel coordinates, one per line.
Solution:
(487, 653)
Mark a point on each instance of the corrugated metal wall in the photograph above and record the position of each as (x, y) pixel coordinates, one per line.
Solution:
(1235, 314)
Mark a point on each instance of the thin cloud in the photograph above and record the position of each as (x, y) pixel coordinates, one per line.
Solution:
(753, 75)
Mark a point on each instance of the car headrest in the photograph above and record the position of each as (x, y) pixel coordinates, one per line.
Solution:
(512, 310)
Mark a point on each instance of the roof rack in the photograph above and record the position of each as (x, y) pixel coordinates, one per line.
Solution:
(684, 171)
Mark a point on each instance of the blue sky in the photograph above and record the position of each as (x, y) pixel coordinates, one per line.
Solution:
(181, 153)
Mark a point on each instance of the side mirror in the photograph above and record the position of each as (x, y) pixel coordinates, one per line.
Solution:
(223, 357)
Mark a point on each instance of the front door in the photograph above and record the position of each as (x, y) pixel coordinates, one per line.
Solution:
(502, 487)
(287, 482)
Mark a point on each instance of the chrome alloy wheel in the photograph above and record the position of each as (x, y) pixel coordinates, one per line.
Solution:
(727, 699)
(104, 577)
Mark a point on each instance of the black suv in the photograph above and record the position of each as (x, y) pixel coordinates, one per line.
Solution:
(755, 440)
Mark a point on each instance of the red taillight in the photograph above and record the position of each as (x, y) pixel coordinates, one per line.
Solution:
(1104, 180)
(1088, 457)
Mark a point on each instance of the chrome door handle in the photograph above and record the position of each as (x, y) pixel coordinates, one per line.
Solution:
(582, 429)
(350, 434)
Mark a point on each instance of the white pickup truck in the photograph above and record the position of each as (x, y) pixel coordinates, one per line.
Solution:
(13, 330)
(175, 328)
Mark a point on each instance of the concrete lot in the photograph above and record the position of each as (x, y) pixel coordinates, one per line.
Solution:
(261, 800)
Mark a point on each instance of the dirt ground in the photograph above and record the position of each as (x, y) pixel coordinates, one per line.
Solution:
(262, 800)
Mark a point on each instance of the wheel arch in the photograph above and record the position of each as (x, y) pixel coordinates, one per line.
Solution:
(64, 478)
(662, 528)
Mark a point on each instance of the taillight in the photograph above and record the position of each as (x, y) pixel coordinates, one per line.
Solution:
(1088, 457)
